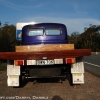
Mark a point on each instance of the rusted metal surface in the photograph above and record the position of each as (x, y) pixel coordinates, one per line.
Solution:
(49, 54)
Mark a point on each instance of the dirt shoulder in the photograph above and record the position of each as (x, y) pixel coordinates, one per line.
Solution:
(44, 90)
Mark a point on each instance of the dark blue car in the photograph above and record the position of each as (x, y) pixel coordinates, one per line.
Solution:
(44, 33)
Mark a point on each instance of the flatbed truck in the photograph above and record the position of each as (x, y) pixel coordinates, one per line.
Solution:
(44, 53)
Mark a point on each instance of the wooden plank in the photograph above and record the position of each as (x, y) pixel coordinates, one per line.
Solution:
(46, 47)
(49, 54)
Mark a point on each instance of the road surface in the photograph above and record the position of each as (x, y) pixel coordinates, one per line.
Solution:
(92, 64)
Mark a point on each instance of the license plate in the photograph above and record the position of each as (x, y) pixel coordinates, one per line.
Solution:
(45, 62)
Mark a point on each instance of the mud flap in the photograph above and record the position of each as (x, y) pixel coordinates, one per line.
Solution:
(13, 73)
(77, 70)
(13, 80)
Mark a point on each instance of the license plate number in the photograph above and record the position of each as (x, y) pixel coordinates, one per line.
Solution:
(45, 62)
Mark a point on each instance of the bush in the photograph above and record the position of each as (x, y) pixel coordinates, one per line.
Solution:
(3, 65)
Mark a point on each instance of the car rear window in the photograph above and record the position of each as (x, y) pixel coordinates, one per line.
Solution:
(52, 31)
(35, 32)
(48, 32)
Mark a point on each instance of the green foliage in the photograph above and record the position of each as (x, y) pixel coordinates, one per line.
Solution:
(7, 38)
(90, 38)
(74, 38)
(3, 65)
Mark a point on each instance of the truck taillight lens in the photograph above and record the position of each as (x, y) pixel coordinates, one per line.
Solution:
(18, 62)
(70, 60)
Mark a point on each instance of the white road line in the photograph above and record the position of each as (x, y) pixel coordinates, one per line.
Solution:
(92, 64)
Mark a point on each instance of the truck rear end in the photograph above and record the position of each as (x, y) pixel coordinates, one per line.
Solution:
(49, 43)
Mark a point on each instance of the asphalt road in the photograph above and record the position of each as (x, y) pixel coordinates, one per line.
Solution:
(92, 64)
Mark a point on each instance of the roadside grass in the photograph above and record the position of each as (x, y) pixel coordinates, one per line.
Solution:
(3, 66)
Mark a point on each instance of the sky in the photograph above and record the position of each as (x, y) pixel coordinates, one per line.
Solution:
(75, 14)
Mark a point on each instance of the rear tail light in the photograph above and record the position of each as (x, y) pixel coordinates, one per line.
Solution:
(18, 62)
(70, 60)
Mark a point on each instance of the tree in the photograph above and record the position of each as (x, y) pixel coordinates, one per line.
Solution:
(73, 38)
(7, 38)
(90, 38)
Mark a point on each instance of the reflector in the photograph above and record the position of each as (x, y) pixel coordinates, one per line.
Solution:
(18, 62)
(70, 60)
(73, 60)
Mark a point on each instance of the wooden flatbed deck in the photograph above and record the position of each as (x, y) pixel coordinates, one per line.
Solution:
(49, 54)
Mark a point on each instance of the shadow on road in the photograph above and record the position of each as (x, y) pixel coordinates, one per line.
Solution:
(57, 98)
